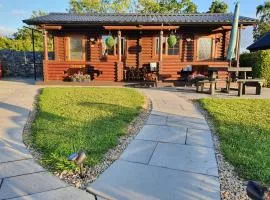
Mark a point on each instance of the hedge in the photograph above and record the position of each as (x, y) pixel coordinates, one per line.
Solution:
(260, 63)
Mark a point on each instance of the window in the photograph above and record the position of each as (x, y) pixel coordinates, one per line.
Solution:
(105, 50)
(76, 48)
(166, 50)
(205, 48)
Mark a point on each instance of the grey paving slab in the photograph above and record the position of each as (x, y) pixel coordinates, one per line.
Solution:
(188, 124)
(67, 193)
(20, 167)
(180, 117)
(139, 151)
(29, 184)
(13, 152)
(133, 181)
(163, 134)
(185, 157)
(197, 137)
(157, 119)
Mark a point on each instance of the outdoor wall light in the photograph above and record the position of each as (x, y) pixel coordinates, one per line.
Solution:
(78, 159)
(188, 39)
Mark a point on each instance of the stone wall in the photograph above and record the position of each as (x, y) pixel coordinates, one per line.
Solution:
(20, 64)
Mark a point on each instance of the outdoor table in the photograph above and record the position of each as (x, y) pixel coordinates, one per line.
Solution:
(236, 70)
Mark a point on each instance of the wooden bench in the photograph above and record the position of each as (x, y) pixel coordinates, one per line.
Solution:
(213, 85)
(242, 83)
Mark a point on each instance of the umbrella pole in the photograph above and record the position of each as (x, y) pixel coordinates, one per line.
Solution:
(238, 46)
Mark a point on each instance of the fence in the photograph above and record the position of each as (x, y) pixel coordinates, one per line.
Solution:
(21, 64)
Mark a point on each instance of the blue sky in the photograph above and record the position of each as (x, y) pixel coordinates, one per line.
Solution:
(12, 12)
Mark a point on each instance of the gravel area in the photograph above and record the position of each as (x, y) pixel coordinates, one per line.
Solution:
(91, 173)
(232, 187)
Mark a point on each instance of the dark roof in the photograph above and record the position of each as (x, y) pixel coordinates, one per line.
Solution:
(261, 44)
(134, 18)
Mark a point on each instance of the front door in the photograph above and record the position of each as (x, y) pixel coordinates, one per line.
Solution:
(133, 51)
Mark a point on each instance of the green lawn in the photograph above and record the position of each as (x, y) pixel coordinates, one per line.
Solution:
(74, 119)
(243, 127)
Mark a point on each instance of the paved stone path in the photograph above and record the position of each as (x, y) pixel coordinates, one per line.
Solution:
(171, 158)
(20, 177)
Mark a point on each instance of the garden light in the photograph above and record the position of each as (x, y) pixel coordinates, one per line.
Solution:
(78, 158)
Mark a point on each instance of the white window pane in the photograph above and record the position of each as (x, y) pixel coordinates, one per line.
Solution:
(205, 48)
(76, 48)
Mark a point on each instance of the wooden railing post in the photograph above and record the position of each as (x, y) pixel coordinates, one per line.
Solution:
(45, 45)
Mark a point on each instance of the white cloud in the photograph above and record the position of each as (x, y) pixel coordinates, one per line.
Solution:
(6, 31)
(17, 12)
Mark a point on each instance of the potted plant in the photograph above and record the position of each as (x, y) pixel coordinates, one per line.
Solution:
(172, 40)
(87, 78)
(110, 42)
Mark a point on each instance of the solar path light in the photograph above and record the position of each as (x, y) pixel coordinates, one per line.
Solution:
(78, 158)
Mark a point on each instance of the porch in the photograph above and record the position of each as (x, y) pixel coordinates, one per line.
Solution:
(135, 47)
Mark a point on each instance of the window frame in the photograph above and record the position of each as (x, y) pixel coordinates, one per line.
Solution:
(69, 47)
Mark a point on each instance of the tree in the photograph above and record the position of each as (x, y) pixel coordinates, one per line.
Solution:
(22, 39)
(103, 6)
(263, 11)
(167, 6)
(218, 6)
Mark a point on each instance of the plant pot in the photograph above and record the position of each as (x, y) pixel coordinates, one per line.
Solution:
(87, 80)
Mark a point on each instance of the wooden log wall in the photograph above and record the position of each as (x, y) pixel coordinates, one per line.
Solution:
(140, 50)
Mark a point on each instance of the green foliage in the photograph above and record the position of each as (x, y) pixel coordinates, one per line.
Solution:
(75, 119)
(263, 11)
(82, 6)
(243, 128)
(259, 61)
(22, 40)
(218, 6)
(260, 29)
(172, 40)
(168, 6)
(110, 42)
(144, 6)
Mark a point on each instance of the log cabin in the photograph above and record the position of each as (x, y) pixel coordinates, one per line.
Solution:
(140, 39)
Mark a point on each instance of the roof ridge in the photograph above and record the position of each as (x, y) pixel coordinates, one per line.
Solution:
(139, 14)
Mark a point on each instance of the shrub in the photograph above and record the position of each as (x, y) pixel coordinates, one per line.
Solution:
(260, 63)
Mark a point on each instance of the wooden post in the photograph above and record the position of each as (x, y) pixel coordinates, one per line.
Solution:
(45, 43)
(119, 45)
(160, 51)
(160, 45)
(139, 57)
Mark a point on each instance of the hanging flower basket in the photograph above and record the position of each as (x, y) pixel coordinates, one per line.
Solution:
(109, 42)
(172, 40)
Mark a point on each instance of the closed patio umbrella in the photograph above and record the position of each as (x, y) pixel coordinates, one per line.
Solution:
(233, 36)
